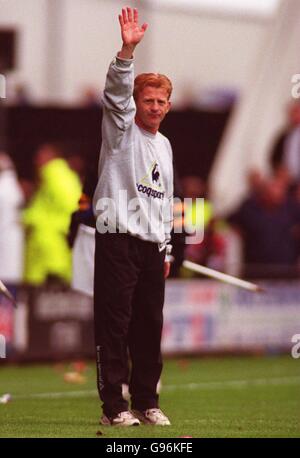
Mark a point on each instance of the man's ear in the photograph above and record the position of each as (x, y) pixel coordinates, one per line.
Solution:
(169, 106)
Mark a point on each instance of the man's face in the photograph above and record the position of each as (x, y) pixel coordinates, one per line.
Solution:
(152, 105)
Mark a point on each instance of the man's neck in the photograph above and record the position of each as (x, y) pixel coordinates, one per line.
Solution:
(140, 124)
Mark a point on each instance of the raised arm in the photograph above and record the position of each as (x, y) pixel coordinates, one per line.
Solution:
(118, 105)
(132, 34)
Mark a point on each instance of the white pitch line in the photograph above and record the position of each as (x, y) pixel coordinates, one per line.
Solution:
(275, 381)
(54, 395)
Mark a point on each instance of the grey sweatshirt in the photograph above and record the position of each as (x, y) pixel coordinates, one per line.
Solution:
(135, 185)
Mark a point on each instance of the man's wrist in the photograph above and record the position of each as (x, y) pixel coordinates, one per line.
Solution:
(126, 52)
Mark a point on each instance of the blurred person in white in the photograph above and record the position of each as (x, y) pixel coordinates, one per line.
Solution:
(11, 231)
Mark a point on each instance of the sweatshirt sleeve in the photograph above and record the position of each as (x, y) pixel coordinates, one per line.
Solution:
(118, 103)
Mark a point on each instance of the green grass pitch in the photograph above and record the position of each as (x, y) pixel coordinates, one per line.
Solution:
(204, 397)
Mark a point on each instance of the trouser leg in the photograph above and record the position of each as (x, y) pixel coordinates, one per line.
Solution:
(116, 276)
(145, 332)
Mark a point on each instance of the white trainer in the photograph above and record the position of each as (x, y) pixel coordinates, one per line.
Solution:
(153, 417)
(122, 419)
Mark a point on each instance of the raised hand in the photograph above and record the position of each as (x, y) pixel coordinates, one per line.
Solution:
(131, 32)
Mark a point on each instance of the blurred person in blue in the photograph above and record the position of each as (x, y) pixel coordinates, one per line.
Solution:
(11, 230)
(47, 218)
(269, 222)
(285, 154)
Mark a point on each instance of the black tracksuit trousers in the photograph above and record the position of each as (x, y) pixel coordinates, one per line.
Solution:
(128, 302)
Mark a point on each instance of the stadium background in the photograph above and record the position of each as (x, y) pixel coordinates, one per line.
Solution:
(228, 106)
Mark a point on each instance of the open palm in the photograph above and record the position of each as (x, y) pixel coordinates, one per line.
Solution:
(131, 32)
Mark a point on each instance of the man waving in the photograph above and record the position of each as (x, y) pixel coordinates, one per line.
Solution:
(133, 207)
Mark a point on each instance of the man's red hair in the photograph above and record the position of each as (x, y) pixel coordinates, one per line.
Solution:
(154, 80)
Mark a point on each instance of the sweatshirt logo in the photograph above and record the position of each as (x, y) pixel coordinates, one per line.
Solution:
(151, 183)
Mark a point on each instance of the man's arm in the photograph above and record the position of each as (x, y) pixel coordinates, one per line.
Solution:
(119, 106)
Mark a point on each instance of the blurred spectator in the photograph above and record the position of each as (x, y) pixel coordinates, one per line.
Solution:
(285, 155)
(11, 232)
(177, 238)
(199, 214)
(91, 98)
(47, 218)
(22, 96)
(269, 221)
(77, 164)
(81, 237)
(84, 214)
(255, 180)
(28, 188)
